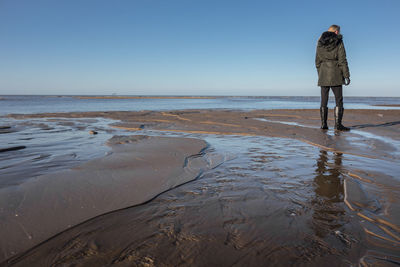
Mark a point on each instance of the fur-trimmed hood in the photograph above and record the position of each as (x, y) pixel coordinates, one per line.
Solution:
(330, 40)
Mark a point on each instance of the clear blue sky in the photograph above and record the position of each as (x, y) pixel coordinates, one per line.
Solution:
(192, 47)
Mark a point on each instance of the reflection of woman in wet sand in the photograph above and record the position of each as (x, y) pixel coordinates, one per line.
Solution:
(328, 201)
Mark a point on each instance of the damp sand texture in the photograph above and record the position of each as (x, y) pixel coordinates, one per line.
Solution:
(138, 169)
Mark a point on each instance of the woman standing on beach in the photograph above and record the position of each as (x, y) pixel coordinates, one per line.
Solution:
(333, 72)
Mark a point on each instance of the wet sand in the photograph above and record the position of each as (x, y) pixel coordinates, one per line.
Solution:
(290, 194)
(379, 127)
(137, 169)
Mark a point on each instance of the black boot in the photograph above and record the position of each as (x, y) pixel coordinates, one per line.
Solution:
(338, 119)
(324, 116)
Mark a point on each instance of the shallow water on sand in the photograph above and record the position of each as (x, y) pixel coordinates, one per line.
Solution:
(273, 201)
(50, 145)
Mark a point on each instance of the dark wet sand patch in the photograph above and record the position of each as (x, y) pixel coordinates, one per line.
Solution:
(11, 148)
(5, 129)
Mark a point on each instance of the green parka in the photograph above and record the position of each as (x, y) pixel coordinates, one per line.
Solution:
(330, 60)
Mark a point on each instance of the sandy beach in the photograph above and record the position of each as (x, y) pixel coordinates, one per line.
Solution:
(214, 188)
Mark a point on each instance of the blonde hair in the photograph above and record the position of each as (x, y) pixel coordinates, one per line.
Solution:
(334, 28)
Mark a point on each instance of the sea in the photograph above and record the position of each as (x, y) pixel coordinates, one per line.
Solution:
(28, 104)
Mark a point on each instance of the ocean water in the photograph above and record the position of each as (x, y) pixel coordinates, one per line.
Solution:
(42, 104)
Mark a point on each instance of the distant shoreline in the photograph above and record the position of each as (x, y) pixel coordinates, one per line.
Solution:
(146, 97)
(387, 105)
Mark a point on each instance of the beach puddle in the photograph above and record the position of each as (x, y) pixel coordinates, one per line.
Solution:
(362, 141)
(259, 200)
(287, 123)
(49, 145)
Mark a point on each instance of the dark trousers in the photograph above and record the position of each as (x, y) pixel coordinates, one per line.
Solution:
(337, 91)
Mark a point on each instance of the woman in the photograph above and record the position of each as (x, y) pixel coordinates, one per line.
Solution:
(333, 72)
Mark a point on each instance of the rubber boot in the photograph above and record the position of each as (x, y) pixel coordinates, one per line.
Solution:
(338, 119)
(324, 116)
